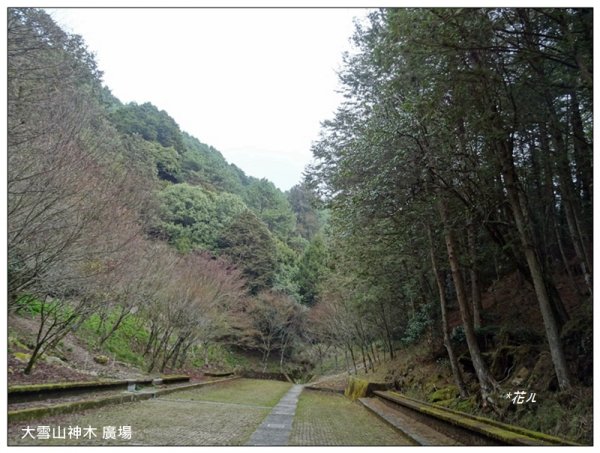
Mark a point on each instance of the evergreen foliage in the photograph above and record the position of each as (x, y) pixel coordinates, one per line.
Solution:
(152, 124)
(465, 134)
(249, 244)
(193, 218)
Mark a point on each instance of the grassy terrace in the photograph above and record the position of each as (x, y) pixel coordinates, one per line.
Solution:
(252, 392)
(223, 414)
(324, 418)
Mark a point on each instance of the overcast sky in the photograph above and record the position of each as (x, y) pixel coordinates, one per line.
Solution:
(253, 83)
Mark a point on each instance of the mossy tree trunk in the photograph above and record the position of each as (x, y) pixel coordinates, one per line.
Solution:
(34, 355)
(364, 360)
(346, 360)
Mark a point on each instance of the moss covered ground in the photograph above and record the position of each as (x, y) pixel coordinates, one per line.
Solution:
(241, 391)
(419, 373)
(220, 414)
(324, 418)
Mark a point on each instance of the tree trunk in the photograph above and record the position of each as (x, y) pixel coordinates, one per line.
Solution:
(550, 324)
(156, 351)
(353, 359)
(374, 353)
(173, 354)
(175, 357)
(569, 199)
(103, 315)
(386, 327)
(151, 339)
(474, 274)
(583, 157)
(116, 325)
(346, 360)
(370, 357)
(183, 355)
(456, 372)
(206, 359)
(411, 298)
(574, 286)
(364, 360)
(266, 354)
(32, 359)
(487, 383)
(282, 355)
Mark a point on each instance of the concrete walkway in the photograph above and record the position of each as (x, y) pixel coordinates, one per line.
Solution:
(276, 428)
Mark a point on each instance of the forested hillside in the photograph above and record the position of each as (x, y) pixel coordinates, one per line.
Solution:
(462, 155)
(114, 212)
(447, 216)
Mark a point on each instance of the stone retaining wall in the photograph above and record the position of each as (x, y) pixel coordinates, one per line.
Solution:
(35, 392)
(77, 406)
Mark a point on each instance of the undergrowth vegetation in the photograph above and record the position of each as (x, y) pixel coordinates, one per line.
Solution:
(125, 344)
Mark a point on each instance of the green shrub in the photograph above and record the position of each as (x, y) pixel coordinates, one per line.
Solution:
(29, 305)
(458, 336)
(124, 343)
(417, 325)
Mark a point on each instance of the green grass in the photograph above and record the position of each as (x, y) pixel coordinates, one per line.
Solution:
(219, 356)
(31, 306)
(28, 304)
(123, 344)
(225, 358)
(240, 391)
(155, 422)
(329, 419)
(130, 337)
(572, 420)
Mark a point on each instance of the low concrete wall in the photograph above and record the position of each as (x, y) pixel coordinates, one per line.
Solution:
(251, 374)
(360, 388)
(77, 406)
(219, 373)
(323, 389)
(36, 392)
(469, 429)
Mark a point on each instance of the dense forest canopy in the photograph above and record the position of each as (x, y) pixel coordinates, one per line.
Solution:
(461, 155)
